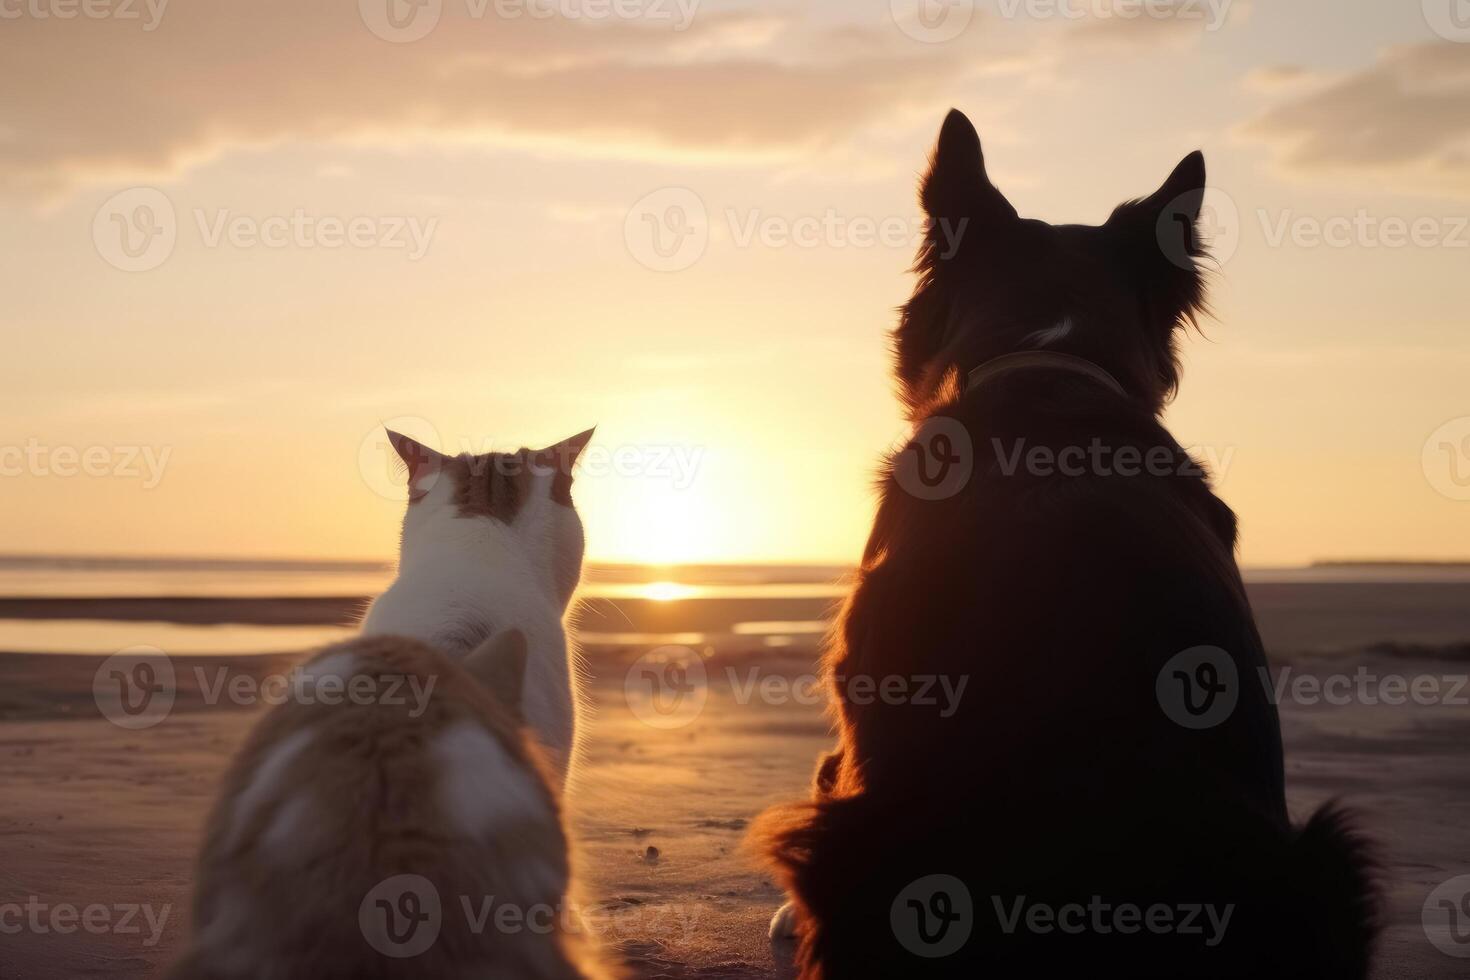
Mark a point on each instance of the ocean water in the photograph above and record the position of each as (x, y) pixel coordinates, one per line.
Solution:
(56, 577)
(1340, 607)
(622, 605)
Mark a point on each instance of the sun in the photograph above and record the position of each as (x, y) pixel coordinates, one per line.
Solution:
(644, 522)
(666, 591)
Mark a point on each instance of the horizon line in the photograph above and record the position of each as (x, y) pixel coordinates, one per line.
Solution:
(384, 563)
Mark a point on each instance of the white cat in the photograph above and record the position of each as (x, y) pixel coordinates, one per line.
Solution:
(491, 543)
(402, 786)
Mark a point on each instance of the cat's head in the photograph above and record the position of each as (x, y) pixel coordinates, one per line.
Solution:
(992, 282)
(495, 505)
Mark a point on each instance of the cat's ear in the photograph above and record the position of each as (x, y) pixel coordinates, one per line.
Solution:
(560, 459)
(567, 451)
(500, 665)
(423, 463)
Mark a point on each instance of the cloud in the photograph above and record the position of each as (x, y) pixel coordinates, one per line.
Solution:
(1279, 79)
(1404, 121)
(85, 100)
(1151, 23)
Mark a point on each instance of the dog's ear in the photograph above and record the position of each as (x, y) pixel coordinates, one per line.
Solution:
(1162, 238)
(1175, 209)
(957, 187)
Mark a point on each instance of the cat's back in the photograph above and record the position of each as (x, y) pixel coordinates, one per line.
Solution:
(378, 822)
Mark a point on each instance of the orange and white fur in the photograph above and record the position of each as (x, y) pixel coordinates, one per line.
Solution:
(430, 772)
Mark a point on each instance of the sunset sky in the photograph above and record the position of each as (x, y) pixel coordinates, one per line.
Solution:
(739, 386)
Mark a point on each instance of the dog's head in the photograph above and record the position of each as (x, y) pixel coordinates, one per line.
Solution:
(992, 282)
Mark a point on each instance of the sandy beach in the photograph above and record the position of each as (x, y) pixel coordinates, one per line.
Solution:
(106, 819)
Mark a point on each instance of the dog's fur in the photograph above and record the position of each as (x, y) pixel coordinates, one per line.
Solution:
(1060, 777)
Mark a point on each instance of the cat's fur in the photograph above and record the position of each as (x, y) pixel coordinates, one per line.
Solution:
(1060, 597)
(429, 771)
(492, 542)
(326, 803)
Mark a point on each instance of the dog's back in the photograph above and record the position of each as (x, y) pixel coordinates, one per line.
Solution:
(1109, 792)
(1060, 783)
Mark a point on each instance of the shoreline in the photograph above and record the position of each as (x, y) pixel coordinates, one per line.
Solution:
(1296, 619)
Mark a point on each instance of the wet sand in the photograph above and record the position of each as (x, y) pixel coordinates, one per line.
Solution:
(96, 815)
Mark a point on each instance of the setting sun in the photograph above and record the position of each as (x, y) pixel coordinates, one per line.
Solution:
(667, 591)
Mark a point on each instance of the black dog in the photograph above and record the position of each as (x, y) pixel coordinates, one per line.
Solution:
(1108, 797)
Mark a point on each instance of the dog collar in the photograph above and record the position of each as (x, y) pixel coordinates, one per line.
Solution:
(1031, 359)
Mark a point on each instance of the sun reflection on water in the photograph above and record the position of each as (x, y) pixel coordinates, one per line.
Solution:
(668, 591)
